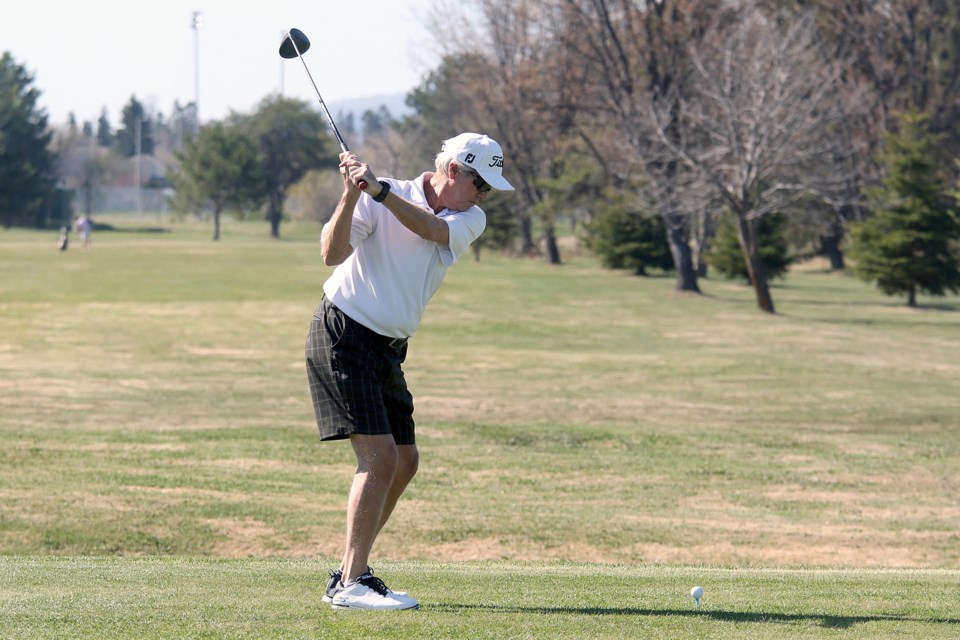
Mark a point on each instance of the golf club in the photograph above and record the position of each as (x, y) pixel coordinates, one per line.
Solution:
(295, 43)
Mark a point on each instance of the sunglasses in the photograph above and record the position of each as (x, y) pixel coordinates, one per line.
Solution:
(478, 182)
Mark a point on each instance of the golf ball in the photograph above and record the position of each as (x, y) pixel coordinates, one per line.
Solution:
(696, 593)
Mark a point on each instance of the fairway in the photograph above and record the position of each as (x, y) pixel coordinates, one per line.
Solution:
(178, 598)
(582, 431)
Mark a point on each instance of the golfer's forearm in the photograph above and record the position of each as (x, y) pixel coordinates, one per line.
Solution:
(335, 237)
(422, 222)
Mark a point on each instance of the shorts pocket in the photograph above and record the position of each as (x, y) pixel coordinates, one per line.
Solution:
(335, 324)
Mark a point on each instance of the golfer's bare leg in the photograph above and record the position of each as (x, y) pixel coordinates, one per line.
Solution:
(377, 462)
(406, 469)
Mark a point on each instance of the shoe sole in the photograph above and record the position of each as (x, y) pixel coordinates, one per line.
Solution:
(343, 607)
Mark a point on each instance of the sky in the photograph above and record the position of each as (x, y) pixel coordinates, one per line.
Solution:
(87, 56)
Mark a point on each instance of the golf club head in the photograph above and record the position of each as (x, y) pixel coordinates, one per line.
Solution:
(291, 38)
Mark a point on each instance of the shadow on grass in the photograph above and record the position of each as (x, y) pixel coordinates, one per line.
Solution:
(826, 621)
(100, 226)
(841, 301)
(946, 306)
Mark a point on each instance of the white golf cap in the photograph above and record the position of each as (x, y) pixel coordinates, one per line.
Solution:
(482, 154)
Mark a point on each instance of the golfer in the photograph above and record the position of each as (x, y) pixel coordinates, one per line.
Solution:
(392, 245)
(85, 228)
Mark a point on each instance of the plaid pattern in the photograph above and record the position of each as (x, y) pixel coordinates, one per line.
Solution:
(356, 379)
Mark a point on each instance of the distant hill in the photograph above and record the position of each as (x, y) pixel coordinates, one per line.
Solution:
(394, 103)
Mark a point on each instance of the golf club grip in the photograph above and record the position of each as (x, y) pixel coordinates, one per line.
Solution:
(361, 183)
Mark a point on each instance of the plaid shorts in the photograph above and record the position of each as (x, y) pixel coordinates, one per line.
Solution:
(356, 379)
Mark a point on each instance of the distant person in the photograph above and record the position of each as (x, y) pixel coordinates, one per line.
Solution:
(392, 245)
(84, 228)
(64, 241)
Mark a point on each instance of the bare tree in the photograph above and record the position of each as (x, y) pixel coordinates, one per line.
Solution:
(906, 49)
(530, 100)
(762, 126)
(518, 84)
(638, 56)
(904, 52)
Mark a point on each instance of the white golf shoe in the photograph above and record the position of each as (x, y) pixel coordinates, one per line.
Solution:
(371, 593)
(333, 585)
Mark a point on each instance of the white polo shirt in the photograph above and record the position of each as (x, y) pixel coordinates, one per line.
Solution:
(392, 273)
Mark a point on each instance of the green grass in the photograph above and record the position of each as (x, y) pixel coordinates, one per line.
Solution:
(181, 598)
(153, 403)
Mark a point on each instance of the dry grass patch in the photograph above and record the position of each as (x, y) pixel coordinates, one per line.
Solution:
(564, 413)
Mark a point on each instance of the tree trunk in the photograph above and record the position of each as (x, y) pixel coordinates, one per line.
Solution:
(679, 239)
(275, 225)
(746, 233)
(912, 296)
(553, 251)
(527, 246)
(830, 246)
(275, 214)
(760, 286)
(702, 234)
(216, 224)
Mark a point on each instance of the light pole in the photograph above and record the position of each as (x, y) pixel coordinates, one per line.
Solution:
(197, 25)
(281, 71)
(138, 132)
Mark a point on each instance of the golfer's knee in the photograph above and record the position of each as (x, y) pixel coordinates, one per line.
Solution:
(409, 463)
(377, 454)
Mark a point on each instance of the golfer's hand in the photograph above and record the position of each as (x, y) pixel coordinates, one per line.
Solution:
(356, 175)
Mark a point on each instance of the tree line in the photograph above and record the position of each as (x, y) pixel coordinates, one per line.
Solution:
(703, 113)
(677, 135)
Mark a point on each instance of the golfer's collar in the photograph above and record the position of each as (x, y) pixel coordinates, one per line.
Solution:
(421, 194)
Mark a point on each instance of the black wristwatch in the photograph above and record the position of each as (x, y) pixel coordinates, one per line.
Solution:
(380, 197)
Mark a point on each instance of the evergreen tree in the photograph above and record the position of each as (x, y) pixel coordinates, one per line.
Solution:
(292, 139)
(624, 238)
(501, 227)
(220, 165)
(908, 243)
(104, 130)
(375, 122)
(347, 123)
(26, 164)
(133, 116)
(726, 255)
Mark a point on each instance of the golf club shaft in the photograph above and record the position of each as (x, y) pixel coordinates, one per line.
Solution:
(333, 125)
